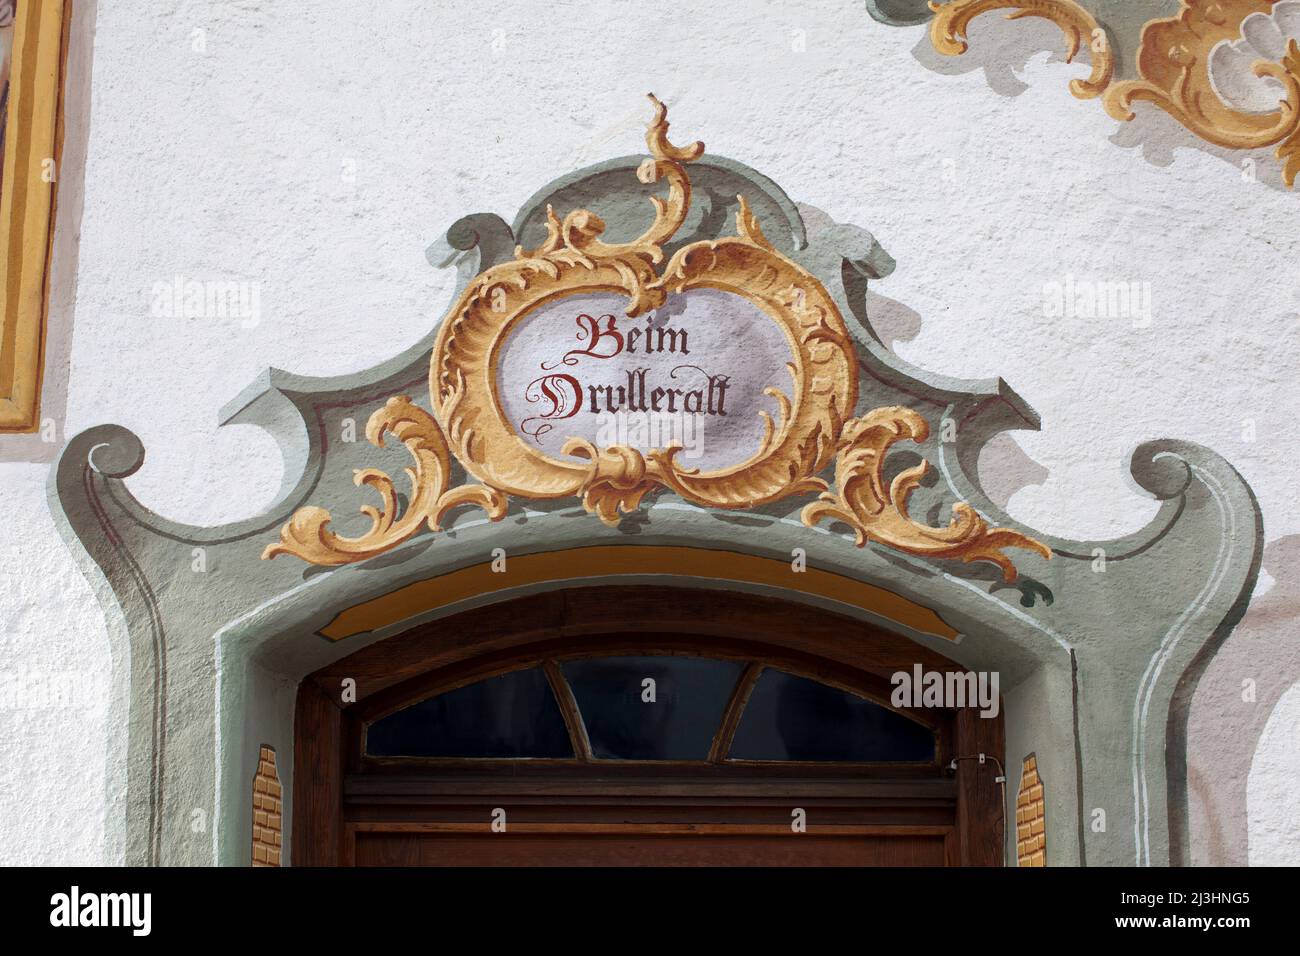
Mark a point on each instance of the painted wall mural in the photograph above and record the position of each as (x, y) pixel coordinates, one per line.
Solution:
(527, 400)
(849, 479)
(1228, 70)
(476, 390)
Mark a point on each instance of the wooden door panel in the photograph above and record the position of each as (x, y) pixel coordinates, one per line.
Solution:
(544, 845)
(398, 808)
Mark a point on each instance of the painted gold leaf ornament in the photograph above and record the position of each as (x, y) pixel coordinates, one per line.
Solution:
(307, 536)
(808, 433)
(620, 476)
(1288, 150)
(876, 513)
(1173, 65)
(1174, 62)
(824, 385)
(573, 259)
(952, 20)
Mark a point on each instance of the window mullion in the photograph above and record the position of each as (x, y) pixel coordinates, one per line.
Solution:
(731, 716)
(569, 710)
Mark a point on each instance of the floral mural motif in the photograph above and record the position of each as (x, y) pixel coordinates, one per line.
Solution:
(1227, 70)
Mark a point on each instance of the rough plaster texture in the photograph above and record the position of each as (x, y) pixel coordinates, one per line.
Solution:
(316, 150)
(1271, 793)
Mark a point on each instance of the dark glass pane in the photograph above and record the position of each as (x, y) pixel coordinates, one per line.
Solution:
(690, 695)
(794, 718)
(514, 715)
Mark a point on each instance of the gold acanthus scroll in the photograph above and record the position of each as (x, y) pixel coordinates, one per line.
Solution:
(952, 19)
(1173, 63)
(811, 430)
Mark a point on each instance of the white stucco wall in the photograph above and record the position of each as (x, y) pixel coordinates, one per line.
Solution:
(1272, 799)
(316, 149)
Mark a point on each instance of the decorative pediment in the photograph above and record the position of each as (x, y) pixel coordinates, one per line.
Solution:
(520, 398)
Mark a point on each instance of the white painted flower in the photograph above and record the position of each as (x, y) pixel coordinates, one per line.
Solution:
(1264, 36)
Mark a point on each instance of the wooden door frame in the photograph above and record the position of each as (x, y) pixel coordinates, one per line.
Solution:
(326, 748)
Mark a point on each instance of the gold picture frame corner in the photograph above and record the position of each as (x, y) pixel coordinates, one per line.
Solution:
(28, 189)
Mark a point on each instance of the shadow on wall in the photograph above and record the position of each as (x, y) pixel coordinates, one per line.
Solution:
(1004, 50)
(1006, 469)
(1158, 135)
(1002, 53)
(1232, 704)
(891, 321)
(1004, 466)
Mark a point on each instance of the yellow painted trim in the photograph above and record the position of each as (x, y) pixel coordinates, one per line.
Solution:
(27, 207)
(602, 561)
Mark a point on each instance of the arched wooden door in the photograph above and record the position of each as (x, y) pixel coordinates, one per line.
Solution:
(624, 725)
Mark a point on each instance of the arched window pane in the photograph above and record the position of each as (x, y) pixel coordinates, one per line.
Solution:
(673, 718)
(513, 715)
(794, 718)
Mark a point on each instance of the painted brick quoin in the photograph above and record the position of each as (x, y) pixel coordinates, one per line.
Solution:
(266, 811)
(1031, 829)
